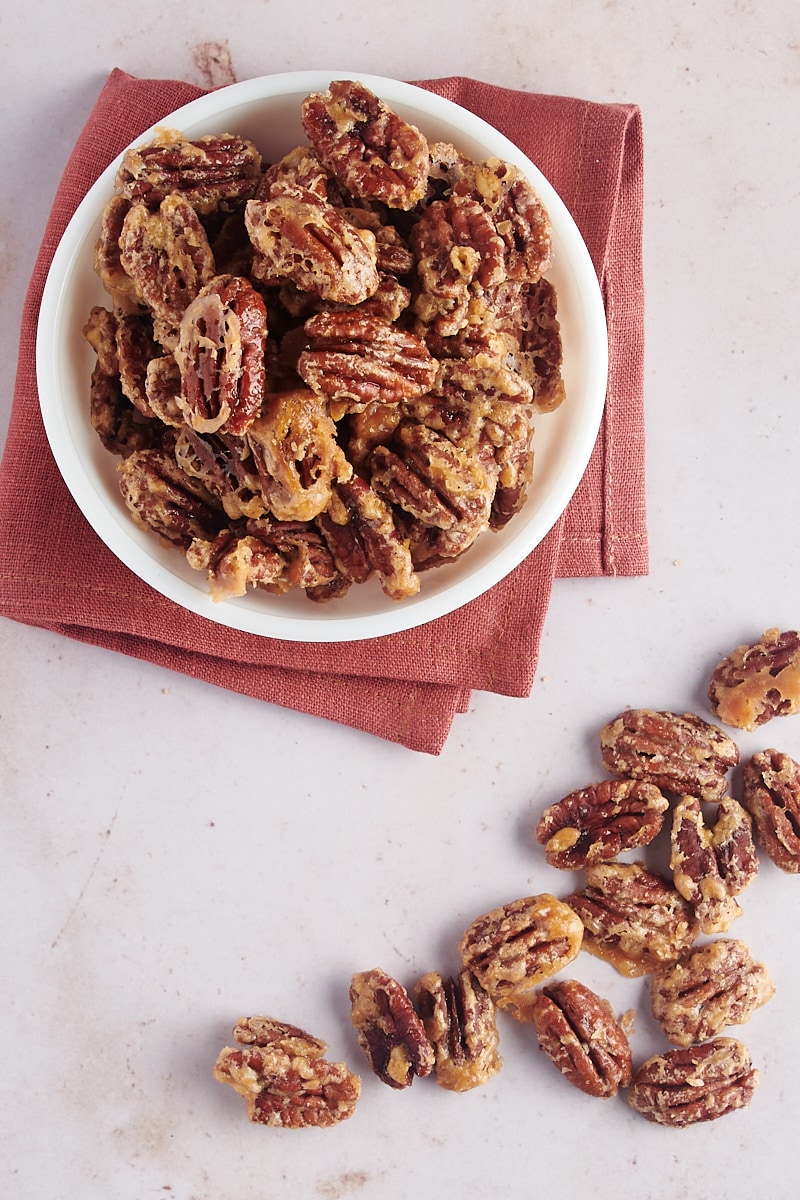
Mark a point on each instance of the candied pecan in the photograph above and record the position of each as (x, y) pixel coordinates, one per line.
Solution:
(284, 1079)
(224, 465)
(162, 498)
(362, 536)
(710, 988)
(434, 480)
(757, 682)
(309, 242)
(495, 379)
(277, 556)
(507, 429)
(680, 754)
(518, 214)
(136, 346)
(541, 349)
(354, 359)
(598, 822)
(699, 1083)
(296, 454)
(460, 1021)
(115, 279)
(162, 387)
(512, 949)
(121, 427)
(578, 1031)
(633, 918)
(371, 150)
(297, 172)
(221, 356)
(210, 172)
(389, 1030)
(712, 864)
(771, 794)
(166, 253)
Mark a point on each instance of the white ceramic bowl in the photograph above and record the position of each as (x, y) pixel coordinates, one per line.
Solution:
(267, 110)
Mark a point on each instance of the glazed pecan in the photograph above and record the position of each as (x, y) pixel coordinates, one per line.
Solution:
(710, 988)
(699, 1083)
(771, 794)
(508, 430)
(680, 754)
(309, 242)
(388, 1029)
(633, 918)
(277, 556)
(460, 1021)
(167, 255)
(598, 822)
(518, 214)
(285, 1081)
(712, 864)
(513, 949)
(354, 359)
(136, 346)
(115, 279)
(212, 173)
(757, 682)
(541, 349)
(162, 387)
(162, 498)
(296, 455)
(121, 427)
(225, 467)
(577, 1029)
(220, 354)
(363, 538)
(371, 150)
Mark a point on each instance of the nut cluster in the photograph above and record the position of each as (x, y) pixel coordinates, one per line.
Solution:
(323, 369)
(668, 769)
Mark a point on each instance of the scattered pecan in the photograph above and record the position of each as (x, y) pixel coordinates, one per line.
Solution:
(598, 822)
(633, 918)
(388, 1029)
(708, 989)
(460, 1021)
(310, 242)
(699, 1083)
(513, 949)
(757, 682)
(354, 359)
(167, 255)
(283, 1077)
(681, 754)
(712, 864)
(212, 173)
(371, 150)
(162, 498)
(220, 354)
(296, 454)
(771, 794)
(577, 1029)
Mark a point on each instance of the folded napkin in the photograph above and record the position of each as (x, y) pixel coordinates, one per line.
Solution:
(55, 573)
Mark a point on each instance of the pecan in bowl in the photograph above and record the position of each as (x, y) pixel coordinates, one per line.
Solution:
(600, 821)
(757, 682)
(578, 1031)
(700, 1083)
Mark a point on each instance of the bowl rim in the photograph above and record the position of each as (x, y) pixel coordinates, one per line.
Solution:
(323, 623)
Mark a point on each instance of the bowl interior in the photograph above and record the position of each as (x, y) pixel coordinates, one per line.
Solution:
(267, 111)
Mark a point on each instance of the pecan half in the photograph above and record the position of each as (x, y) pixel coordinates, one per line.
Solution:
(518, 215)
(115, 279)
(220, 354)
(700, 1083)
(296, 454)
(362, 536)
(136, 346)
(578, 1031)
(757, 682)
(354, 359)
(541, 349)
(306, 240)
(678, 753)
(598, 822)
(460, 1021)
(277, 556)
(121, 427)
(388, 1029)
(212, 173)
(162, 498)
(712, 864)
(283, 1077)
(371, 150)
(513, 949)
(633, 918)
(712, 987)
(167, 255)
(771, 794)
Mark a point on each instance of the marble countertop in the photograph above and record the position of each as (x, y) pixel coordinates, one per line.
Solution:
(175, 857)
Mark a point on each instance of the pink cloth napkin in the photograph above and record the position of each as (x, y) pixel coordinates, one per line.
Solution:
(407, 688)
